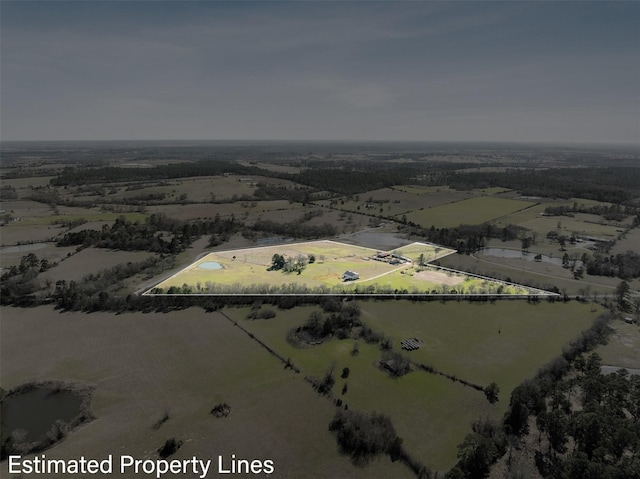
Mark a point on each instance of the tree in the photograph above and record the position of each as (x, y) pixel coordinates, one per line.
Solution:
(169, 447)
(622, 291)
(491, 392)
(277, 262)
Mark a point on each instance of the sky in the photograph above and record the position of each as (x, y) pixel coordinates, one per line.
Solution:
(552, 72)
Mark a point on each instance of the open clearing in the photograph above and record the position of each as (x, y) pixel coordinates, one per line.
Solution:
(470, 211)
(183, 364)
(431, 413)
(396, 272)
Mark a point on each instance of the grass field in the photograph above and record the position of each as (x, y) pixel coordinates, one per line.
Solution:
(238, 270)
(470, 211)
(431, 413)
(397, 200)
(183, 363)
(623, 347)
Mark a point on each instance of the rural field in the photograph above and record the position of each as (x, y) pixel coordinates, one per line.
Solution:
(183, 364)
(504, 342)
(96, 261)
(475, 210)
(252, 270)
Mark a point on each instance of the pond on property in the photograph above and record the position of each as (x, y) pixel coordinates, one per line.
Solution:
(512, 253)
(210, 265)
(36, 410)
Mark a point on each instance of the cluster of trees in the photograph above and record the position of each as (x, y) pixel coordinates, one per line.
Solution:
(604, 431)
(365, 435)
(480, 449)
(128, 236)
(613, 212)
(465, 239)
(169, 448)
(158, 234)
(91, 294)
(8, 192)
(297, 229)
(272, 192)
(622, 265)
(82, 175)
(614, 185)
(541, 397)
(19, 284)
(395, 363)
(290, 265)
(338, 321)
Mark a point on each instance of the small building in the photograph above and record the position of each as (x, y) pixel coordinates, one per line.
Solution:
(628, 320)
(350, 276)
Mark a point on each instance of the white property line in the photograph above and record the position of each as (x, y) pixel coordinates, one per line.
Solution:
(536, 290)
(446, 251)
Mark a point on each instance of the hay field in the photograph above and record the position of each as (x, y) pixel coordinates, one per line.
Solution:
(182, 363)
(470, 211)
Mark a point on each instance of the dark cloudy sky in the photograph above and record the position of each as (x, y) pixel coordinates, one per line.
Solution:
(387, 70)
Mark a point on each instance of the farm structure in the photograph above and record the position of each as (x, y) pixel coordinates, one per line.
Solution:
(350, 276)
(411, 344)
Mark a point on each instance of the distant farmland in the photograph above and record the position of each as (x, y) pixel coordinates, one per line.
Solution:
(471, 211)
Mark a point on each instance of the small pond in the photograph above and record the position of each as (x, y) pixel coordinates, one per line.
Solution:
(36, 410)
(210, 265)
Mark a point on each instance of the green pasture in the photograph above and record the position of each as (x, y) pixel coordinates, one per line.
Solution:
(470, 211)
(623, 345)
(422, 406)
(396, 200)
(182, 364)
(581, 224)
(503, 342)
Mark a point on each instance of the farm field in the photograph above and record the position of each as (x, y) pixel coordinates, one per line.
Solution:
(623, 347)
(431, 413)
(251, 270)
(581, 224)
(183, 364)
(396, 200)
(73, 267)
(182, 361)
(470, 211)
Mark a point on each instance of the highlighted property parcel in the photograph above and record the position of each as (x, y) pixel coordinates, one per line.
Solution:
(329, 267)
